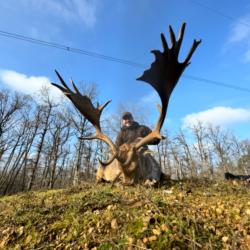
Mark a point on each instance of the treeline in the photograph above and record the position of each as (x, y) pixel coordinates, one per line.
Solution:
(41, 146)
(205, 151)
(41, 143)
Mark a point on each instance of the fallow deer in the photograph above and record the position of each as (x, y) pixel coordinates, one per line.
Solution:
(163, 76)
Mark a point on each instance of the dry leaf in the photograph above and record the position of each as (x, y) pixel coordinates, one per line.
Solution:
(168, 191)
(248, 211)
(131, 240)
(114, 224)
(28, 239)
(21, 230)
(224, 239)
(137, 204)
(91, 229)
(152, 238)
(156, 231)
(164, 227)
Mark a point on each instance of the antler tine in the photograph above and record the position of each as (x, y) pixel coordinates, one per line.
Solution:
(163, 76)
(192, 50)
(109, 161)
(180, 37)
(66, 90)
(172, 36)
(63, 82)
(164, 42)
(181, 33)
(102, 107)
(74, 86)
(61, 88)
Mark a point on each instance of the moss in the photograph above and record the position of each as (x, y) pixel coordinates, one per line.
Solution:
(136, 228)
(106, 246)
(192, 215)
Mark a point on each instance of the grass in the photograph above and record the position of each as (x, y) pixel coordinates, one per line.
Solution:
(196, 214)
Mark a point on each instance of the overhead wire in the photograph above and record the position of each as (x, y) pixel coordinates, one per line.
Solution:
(219, 12)
(110, 58)
(68, 48)
(218, 83)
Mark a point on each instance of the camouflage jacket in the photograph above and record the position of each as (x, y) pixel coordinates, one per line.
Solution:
(131, 133)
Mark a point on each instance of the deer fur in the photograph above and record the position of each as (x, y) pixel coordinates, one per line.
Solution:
(137, 171)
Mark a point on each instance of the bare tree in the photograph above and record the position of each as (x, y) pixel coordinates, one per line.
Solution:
(44, 117)
(202, 149)
(243, 153)
(164, 154)
(10, 106)
(177, 162)
(222, 146)
(17, 155)
(188, 158)
(60, 134)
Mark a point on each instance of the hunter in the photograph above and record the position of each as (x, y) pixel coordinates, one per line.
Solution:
(131, 132)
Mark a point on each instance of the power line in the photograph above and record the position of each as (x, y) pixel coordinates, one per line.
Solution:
(222, 84)
(110, 58)
(219, 12)
(69, 49)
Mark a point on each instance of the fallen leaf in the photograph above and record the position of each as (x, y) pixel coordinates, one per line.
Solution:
(114, 224)
(224, 239)
(28, 239)
(131, 240)
(248, 211)
(21, 230)
(164, 227)
(156, 231)
(137, 204)
(168, 191)
(152, 238)
(91, 229)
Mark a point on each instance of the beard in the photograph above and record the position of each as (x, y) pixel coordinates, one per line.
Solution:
(128, 124)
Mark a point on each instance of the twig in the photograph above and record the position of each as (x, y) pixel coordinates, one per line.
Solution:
(193, 241)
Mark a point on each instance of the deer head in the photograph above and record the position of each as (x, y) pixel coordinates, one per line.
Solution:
(163, 76)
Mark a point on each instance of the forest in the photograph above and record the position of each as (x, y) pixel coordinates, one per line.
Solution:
(41, 145)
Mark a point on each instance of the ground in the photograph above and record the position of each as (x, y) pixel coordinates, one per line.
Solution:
(197, 214)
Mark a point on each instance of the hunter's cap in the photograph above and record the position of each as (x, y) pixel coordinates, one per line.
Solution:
(127, 115)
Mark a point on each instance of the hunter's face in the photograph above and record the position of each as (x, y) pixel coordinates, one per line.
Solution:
(127, 122)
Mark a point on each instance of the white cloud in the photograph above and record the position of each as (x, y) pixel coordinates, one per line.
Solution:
(70, 10)
(240, 30)
(30, 85)
(150, 103)
(217, 116)
(247, 55)
(150, 98)
(240, 33)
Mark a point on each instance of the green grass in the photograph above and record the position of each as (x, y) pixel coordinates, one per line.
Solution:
(194, 214)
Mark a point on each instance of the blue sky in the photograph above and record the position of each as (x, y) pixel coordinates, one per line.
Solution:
(130, 30)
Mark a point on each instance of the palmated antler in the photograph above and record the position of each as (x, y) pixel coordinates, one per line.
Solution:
(87, 109)
(164, 74)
